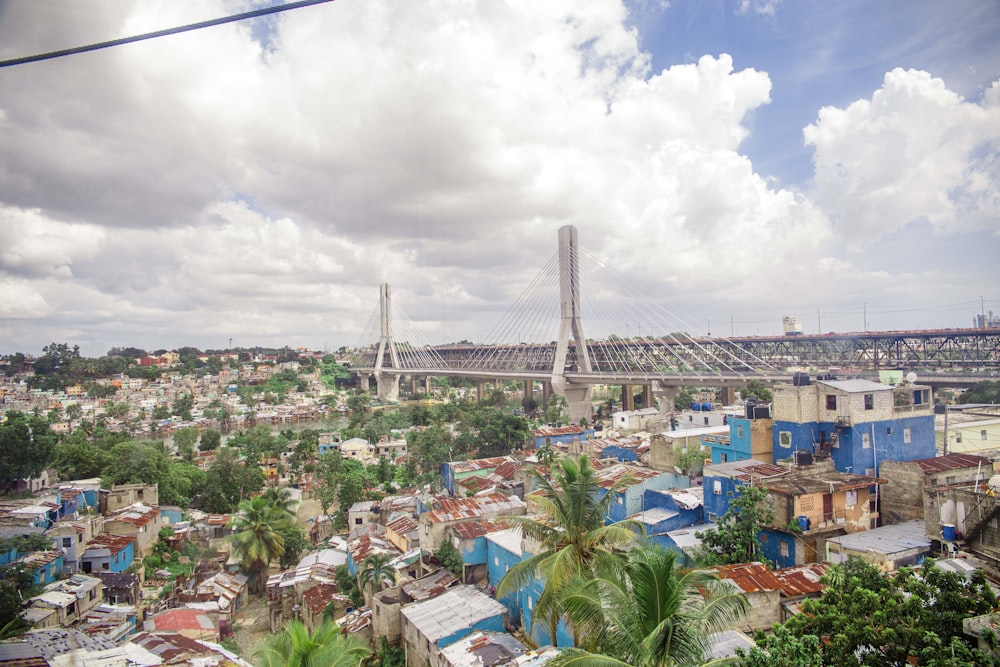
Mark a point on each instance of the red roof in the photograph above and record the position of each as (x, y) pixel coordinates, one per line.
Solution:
(750, 577)
(952, 462)
(802, 579)
(319, 597)
(469, 530)
(183, 618)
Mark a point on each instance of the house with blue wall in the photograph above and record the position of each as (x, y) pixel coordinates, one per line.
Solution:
(45, 566)
(469, 539)
(749, 437)
(855, 423)
(723, 481)
(629, 500)
(433, 624)
(455, 471)
(108, 553)
(665, 511)
(504, 550)
(553, 435)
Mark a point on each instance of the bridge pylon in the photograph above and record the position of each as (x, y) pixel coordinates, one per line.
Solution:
(388, 385)
(577, 397)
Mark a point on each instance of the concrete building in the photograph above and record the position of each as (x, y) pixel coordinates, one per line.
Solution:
(888, 547)
(666, 447)
(125, 495)
(908, 481)
(857, 423)
(970, 437)
(448, 511)
(630, 421)
(140, 522)
(429, 626)
(748, 438)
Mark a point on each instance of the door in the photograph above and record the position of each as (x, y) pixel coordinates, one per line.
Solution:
(827, 507)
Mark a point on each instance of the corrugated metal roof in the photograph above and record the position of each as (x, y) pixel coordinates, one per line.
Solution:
(454, 610)
(749, 577)
(887, 539)
(952, 462)
(802, 579)
(855, 386)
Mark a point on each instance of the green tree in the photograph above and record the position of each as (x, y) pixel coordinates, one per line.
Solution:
(210, 439)
(648, 612)
(555, 411)
(866, 617)
(293, 538)
(325, 647)
(683, 399)
(228, 481)
(987, 391)
(736, 536)
(449, 557)
(184, 439)
(257, 539)
(757, 390)
(502, 433)
(570, 531)
(375, 572)
(781, 648)
(27, 446)
(139, 462)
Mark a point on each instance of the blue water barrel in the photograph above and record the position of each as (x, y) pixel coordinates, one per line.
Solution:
(948, 532)
(804, 523)
(706, 407)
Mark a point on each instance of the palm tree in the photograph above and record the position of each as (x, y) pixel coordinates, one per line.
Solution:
(280, 499)
(257, 539)
(376, 571)
(649, 613)
(571, 535)
(325, 647)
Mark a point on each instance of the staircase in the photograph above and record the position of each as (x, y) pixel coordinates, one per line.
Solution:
(825, 448)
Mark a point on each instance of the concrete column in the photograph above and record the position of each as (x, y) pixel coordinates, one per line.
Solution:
(414, 384)
(628, 398)
(665, 396)
(365, 381)
(388, 387)
(480, 385)
(647, 396)
(428, 387)
(546, 393)
(728, 395)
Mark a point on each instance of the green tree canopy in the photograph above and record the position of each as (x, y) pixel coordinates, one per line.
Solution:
(648, 612)
(987, 391)
(324, 647)
(257, 539)
(758, 390)
(736, 536)
(27, 446)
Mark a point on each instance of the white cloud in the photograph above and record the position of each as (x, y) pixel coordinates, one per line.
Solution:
(914, 150)
(766, 7)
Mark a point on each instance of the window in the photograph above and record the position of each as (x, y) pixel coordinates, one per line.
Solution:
(866, 440)
(620, 500)
(496, 561)
(531, 603)
(888, 430)
(949, 480)
(739, 430)
(850, 498)
(908, 436)
(958, 436)
(717, 487)
(357, 521)
(785, 438)
(982, 434)
(763, 538)
(869, 401)
(712, 516)
(723, 458)
(871, 473)
(706, 421)
(783, 549)
(831, 401)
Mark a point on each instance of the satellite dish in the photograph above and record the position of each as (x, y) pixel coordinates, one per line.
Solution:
(678, 470)
(911, 377)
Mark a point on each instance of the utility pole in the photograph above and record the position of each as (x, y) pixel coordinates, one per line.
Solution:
(819, 323)
(982, 310)
(732, 327)
(865, 311)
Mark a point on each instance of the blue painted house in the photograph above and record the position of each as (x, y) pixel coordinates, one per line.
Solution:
(45, 566)
(504, 550)
(629, 501)
(429, 626)
(749, 437)
(553, 435)
(854, 423)
(108, 553)
(469, 539)
(666, 511)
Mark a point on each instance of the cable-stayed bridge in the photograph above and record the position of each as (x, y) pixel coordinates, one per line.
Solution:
(541, 339)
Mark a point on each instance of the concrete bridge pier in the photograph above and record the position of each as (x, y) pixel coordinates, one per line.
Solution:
(578, 402)
(546, 393)
(647, 396)
(628, 398)
(364, 381)
(388, 387)
(664, 396)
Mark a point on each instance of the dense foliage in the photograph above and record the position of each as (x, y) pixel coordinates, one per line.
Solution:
(868, 617)
(736, 535)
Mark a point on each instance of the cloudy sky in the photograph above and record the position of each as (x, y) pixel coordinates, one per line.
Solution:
(732, 160)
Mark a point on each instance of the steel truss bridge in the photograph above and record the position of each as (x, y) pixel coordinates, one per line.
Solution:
(571, 364)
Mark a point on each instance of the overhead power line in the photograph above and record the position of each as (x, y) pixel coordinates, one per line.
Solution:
(161, 33)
